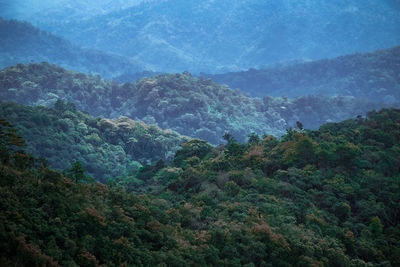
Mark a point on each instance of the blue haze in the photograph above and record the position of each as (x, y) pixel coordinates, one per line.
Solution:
(218, 36)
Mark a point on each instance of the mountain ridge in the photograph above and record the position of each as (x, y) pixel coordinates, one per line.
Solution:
(219, 36)
(192, 106)
(373, 75)
(24, 43)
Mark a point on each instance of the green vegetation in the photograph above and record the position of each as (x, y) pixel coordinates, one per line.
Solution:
(374, 76)
(106, 148)
(314, 198)
(192, 106)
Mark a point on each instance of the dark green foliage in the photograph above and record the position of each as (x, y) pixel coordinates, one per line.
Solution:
(8, 140)
(105, 148)
(194, 148)
(77, 173)
(266, 202)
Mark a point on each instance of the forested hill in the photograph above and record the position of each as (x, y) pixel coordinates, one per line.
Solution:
(192, 106)
(23, 43)
(217, 36)
(372, 75)
(106, 148)
(315, 198)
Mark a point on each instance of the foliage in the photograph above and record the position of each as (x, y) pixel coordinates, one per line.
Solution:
(314, 198)
(373, 76)
(106, 148)
(192, 106)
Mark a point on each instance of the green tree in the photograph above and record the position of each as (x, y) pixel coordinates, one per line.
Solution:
(9, 140)
(77, 173)
(254, 139)
(228, 137)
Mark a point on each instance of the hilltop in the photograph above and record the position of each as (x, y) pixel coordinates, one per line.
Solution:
(24, 43)
(106, 148)
(372, 75)
(218, 36)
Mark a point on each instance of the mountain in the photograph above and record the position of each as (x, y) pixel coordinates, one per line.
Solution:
(192, 106)
(134, 77)
(219, 36)
(314, 198)
(372, 75)
(106, 148)
(60, 9)
(24, 43)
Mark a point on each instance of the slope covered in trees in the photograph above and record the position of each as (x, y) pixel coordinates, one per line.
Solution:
(24, 43)
(192, 106)
(218, 36)
(315, 198)
(106, 148)
(372, 75)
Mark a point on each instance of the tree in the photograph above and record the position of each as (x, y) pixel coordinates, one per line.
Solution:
(77, 173)
(253, 138)
(228, 137)
(299, 125)
(194, 148)
(8, 140)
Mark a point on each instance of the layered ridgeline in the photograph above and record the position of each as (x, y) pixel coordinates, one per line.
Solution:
(106, 148)
(192, 106)
(320, 198)
(22, 42)
(217, 36)
(372, 75)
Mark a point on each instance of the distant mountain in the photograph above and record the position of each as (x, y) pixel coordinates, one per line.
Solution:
(60, 9)
(219, 36)
(192, 106)
(23, 43)
(133, 77)
(372, 75)
(106, 148)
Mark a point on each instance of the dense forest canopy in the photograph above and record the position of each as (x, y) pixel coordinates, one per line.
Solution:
(200, 133)
(372, 75)
(192, 106)
(106, 148)
(314, 198)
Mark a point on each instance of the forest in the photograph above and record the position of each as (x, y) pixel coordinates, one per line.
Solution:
(192, 106)
(106, 148)
(373, 75)
(326, 197)
(200, 133)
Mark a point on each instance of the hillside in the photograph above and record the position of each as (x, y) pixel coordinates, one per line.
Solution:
(315, 198)
(218, 36)
(192, 106)
(61, 9)
(106, 148)
(24, 43)
(372, 75)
